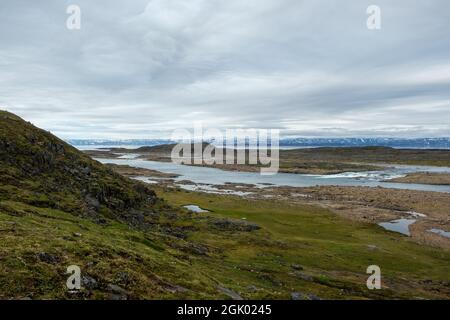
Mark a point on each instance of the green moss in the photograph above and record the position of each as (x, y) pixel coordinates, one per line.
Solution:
(332, 252)
(330, 248)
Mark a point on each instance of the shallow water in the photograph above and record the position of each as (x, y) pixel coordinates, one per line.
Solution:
(440, 232)
(399, 225)
(146, 180)
(195, 208)
(212, 176)
(210, 189)
(416, 214)
(128, 155)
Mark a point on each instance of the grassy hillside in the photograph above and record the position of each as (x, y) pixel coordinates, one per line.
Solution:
(38, 169)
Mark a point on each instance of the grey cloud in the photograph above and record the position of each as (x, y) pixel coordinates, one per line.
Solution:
(144, 68)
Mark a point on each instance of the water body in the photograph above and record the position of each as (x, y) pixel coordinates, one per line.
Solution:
(146, 180)
(136, 146)
(195, 208)
(107, 146)
(210, 189)
(212, 176)
(440, 232)
(399, 225)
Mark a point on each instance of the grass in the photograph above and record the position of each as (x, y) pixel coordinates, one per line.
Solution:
(322, 243)
(332, 251)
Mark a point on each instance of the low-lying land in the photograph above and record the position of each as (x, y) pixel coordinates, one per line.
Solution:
(363, 204)
(425, 178)
(310, 161)
(375, 205)
(129, 171)
(314, 243)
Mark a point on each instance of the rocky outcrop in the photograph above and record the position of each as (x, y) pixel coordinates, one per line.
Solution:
(39, 169)
(234, 225)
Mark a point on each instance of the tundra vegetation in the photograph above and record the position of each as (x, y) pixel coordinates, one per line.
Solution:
(58, 207)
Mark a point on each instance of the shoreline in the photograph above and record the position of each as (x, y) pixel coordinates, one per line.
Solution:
(372, 205)
(430, 178)
(320, 161)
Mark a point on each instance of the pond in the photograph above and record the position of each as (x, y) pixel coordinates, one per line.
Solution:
(440, 232)
(194, 208)
(399, 225)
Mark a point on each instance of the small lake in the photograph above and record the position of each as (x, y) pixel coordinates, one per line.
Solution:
(212, 176)
(440, 232)
(194, 208)
(399, 225)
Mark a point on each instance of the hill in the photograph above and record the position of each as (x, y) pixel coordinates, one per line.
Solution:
(38, 169)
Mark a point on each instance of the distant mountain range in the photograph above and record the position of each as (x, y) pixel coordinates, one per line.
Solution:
(124, 142)
(419, 143)
(428, 143)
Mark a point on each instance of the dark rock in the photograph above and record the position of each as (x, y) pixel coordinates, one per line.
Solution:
(101, 221)
(115, 296)
(117, 293)
(230, 293)
(198, 249)
(86, 170)
(303, 296)
(175, 232)
(117, 289)
(92, 202)
(313, 297)
(124, 278)
(48, 258)
(296, 267)
(175, 288)
(297, 296)
(134, 217)
(88, 282)
(235, 225)
(304, 276)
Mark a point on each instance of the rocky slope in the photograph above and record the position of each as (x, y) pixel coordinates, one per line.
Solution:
(39, 169)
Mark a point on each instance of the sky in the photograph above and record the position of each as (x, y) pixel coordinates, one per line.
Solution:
(141, 69)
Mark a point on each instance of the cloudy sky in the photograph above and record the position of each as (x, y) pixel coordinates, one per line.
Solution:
(140, 68)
